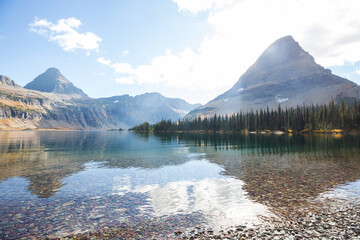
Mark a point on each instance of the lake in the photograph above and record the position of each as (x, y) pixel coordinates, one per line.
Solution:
(55, 184)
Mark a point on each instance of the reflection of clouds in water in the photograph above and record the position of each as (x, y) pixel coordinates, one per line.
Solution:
(122, 184)
(182, 150)
(135, 177)
(221, 199)
(347, 191)
(93, 165)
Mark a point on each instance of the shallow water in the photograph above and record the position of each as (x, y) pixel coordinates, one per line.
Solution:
(54, 184)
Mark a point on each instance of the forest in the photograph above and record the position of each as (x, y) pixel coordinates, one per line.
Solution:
(333, 116)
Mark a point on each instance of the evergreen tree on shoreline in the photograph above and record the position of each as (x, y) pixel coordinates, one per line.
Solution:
(345, 116)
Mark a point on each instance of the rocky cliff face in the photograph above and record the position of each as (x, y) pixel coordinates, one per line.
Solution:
(20, 109)
(60, 104)
(4, 80)
(284, 74)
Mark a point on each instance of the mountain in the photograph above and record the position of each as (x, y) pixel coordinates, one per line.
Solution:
(53, 81)
(284, 74)
(22, 108)
(155, 103)
(148, 107)
(7, 81)
(61, 105)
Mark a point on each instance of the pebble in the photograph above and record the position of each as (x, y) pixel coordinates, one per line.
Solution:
(331, 223)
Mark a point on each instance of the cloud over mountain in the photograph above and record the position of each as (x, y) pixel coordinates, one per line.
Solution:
(240, 30)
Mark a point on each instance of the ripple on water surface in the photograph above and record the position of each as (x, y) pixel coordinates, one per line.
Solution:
(61, 183)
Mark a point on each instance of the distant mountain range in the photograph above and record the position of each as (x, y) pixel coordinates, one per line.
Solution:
(52, 101)
(284, 74)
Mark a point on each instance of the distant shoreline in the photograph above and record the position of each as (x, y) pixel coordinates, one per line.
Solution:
(45, 129)
(266, 132)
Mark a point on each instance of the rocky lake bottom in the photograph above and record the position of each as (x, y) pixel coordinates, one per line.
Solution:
(119, 185)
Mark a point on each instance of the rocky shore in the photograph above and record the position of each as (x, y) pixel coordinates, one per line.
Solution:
(338, 219)
(332, 219)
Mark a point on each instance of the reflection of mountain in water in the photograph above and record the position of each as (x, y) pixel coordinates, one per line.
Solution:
(45, 158)
(285, 172)
(287, 182)
(278, 171)
(24, 155)
(270, 143)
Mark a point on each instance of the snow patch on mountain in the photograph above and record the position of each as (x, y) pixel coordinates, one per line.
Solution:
(180, 111)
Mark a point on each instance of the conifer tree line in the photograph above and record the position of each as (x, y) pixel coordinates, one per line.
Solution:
(345, 116)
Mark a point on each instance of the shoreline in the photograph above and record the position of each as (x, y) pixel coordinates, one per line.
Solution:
(245, 132)
(335, 219)
(259, 132)
(329, 219)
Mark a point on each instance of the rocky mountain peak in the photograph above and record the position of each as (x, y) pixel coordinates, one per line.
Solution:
(282, 51)
(283, 60)
(53, 71)
(53, 81)
(7, 81)
(283, 74)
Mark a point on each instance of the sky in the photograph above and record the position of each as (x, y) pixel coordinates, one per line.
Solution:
(189, 49)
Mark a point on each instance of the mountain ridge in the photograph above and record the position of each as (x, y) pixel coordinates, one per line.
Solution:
(283, 74)
(64, 108)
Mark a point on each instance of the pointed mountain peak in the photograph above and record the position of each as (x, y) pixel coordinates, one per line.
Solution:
(284, 50)
(286, 39)
(283, 74)
(53, 81)
(283, 60)
(54, 74)
(287, 42)
(53, 70)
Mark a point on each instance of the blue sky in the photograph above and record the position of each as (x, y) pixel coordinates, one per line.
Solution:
(191, 49)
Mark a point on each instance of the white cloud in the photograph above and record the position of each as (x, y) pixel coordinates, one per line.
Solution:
(125, 80)
(357, 71)
(122, 68)
(103, 61)
(65, 34)
(241, 31)
(195, 6)
(125, 52)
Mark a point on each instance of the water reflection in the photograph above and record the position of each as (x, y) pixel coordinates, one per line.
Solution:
(24, 155)
(222, 201)
(289, 181)
(284, 172)
(350, 192)
(197, 187)
(270, 143)
(45, 158)
(99, 179)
